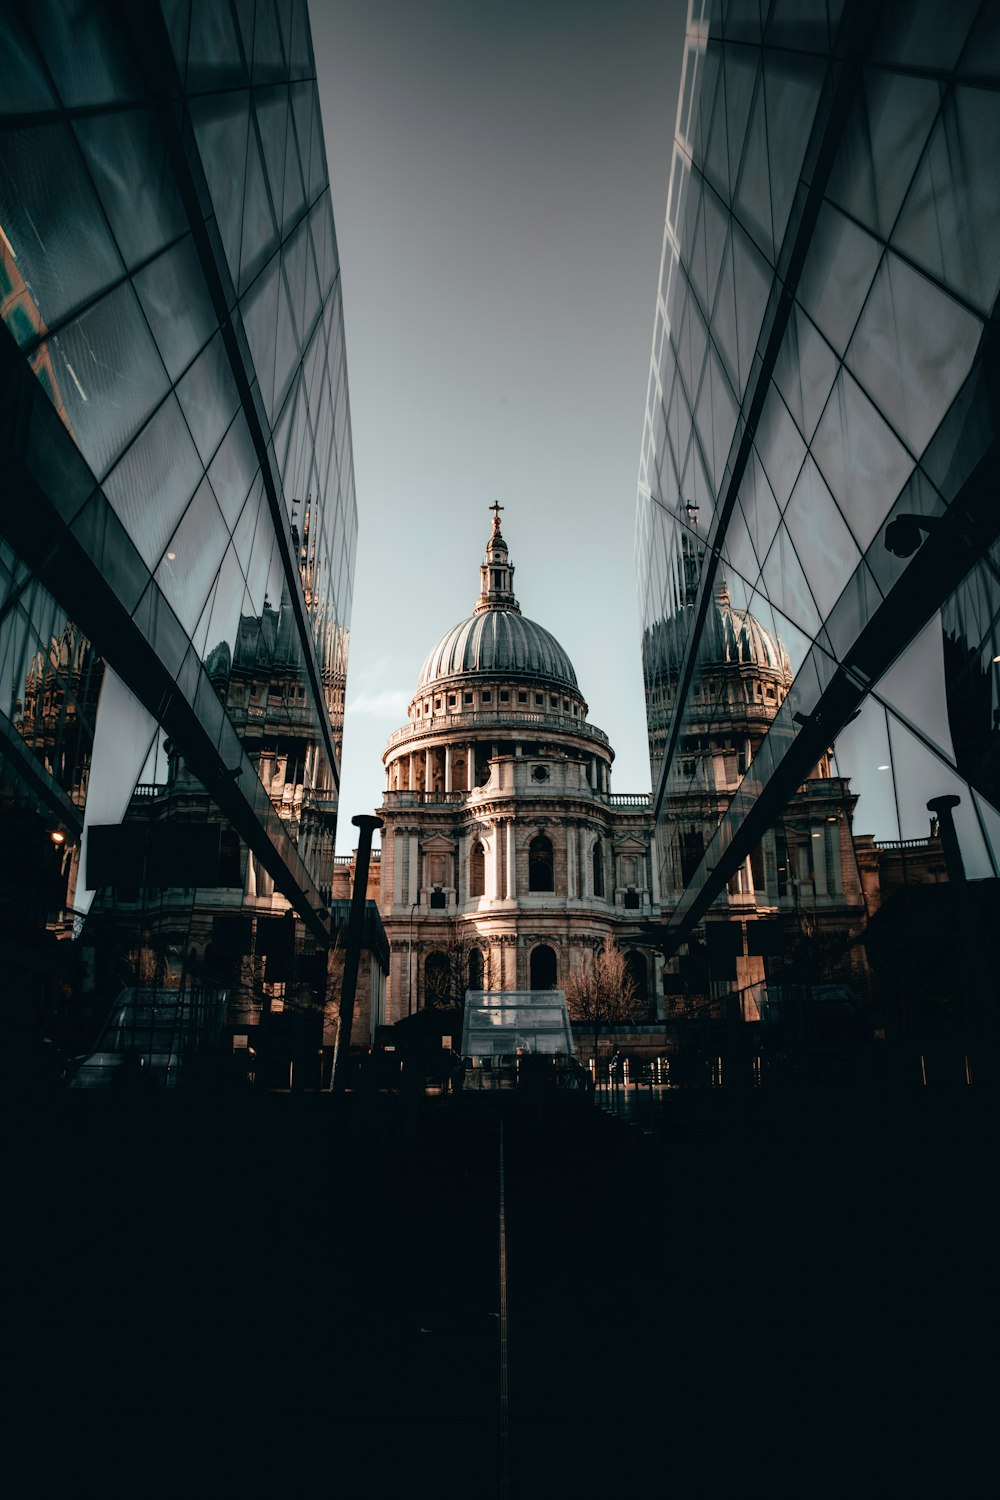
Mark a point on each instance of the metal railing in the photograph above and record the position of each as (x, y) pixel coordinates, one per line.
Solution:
(498, 721)
(927, 843)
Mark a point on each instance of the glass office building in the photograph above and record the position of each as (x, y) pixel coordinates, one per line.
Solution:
(820, 442)
(177, 517)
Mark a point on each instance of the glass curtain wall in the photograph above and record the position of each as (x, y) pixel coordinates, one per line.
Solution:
(824, 364)
(178, 522)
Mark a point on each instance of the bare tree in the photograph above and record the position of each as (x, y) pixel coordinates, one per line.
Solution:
(448, 981)
(602, 992)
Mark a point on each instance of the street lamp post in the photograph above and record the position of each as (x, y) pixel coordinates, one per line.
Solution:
(409, 964)
(367, 823)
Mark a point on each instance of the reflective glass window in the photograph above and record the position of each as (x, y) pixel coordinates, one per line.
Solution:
(822, 539)
(221, 125)
(753, 287)
(950, 222)
(780, 446)
(87, 57)
(742, 65)
(787, 585)
(269, 63)
(134, 178)
(175, 299)
(110, 376)
(215, 58)
(915, 685)
(804, 371)
(753, 195)
(23, 86)
(791, 89)
(260, 312)
(154, 480)
(233, 469)
(192, 556)
(259, 237)
(912, 349)
(208, 397)
(913, 33)
(60, 248)
(838, 272)
(862, 462)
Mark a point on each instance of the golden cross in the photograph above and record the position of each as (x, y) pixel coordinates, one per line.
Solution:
(496, 508)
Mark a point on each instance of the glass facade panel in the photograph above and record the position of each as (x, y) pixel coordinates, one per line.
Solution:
(176, 303)
(127, 160)
(154, 553)
(846, 544)
(57, 248)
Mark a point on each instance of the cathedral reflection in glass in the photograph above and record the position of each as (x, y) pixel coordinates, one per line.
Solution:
(822, 417)
(178, 518)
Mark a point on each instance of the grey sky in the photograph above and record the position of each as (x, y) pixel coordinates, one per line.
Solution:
(499, 176)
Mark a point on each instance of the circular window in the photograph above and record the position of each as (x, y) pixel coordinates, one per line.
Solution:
(540, 773)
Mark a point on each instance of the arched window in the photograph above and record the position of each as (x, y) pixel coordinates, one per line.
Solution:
(692, 849)
(639, 971)
(543, 968)
(476, 969)
(477, 870)
(540, 864)
(598, 868)
(435, 979)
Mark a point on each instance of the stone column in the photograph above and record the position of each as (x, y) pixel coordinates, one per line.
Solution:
(511, 862)
(427, 770)
(497, 861)
(471, 768)
(447, 768)
(654, 869)
(572, 888)
(594, 775)
(585, 881)
(412, 781)
(397, 867)
(414, 868)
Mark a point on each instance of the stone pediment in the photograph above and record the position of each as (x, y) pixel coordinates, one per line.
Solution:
(629, 843)
(438, 843)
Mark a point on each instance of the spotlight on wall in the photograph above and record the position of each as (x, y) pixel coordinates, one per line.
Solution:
(57, 837)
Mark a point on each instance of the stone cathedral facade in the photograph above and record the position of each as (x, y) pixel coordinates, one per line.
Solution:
(507, 858)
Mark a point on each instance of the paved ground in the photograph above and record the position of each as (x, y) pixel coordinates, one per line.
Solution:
(706, 1296)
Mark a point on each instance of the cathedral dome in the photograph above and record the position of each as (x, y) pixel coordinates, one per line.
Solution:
(496, 638)
(733, 637)
(498, 641)
(738, 636)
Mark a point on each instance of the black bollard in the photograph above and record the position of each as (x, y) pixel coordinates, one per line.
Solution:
(367, 823)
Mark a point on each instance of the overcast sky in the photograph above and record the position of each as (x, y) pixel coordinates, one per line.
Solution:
(499, 177)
